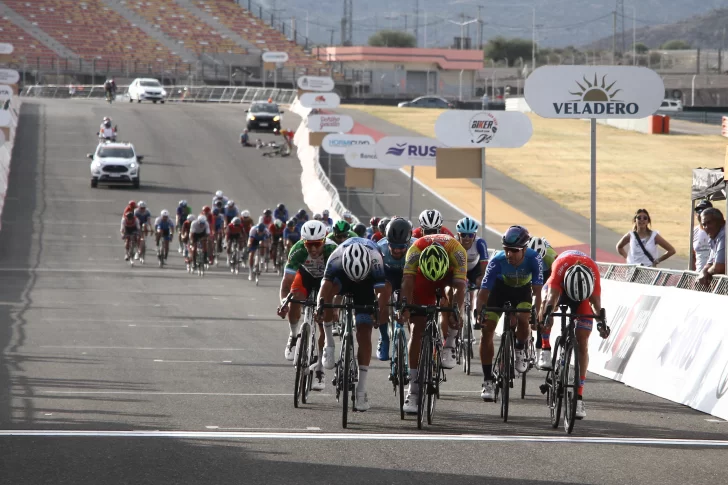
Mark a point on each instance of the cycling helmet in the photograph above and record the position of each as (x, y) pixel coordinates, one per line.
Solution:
(281, 207)
(267, 212)
(434, 262)
(107, 123)
(215, 211)
(230, 203)
(237, 221)
(191, 218)
(206, 209)
(431, 219)
(383, 225)
(142, 204)
(515, 237)
(399, 231)
(291, 223)
(347, 215)
(218, 204)
(356, 261)
(106, 118)
(202, 219)
(183, 203)
(341, 227)
(164, 213)
(129, 215)
(218, 193)
(313, 231)
(539, 245)
(245, 214)
(278, 223)
(325, 213)
(360, 230)
(261, 226)
(578, 282)
(374, 221)
(466, 225)
(132, 204)
(317, 217)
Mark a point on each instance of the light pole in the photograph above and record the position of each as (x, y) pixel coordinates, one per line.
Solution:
(462, 28)
(634, 35)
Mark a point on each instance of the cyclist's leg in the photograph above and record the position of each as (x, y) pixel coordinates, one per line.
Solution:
(583, 331)
(328, 291)
(487, 348)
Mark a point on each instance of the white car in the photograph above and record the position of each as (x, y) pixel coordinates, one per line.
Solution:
(115, 164)
(671, 105)
(146, 89)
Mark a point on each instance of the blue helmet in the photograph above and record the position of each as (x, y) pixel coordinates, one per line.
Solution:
(515, 237)
(216, 211)
(261, 227)
(183, 203)
(466, 225)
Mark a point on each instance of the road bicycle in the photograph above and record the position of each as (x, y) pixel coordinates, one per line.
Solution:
(346, 371)
(280, 260)
(131, 249)
(164, 251)
(234, 258)
(504, 368)
(199, 264)
(398, 368)
(430, 368)
(306, 354)
(466, 340)
(562, 380)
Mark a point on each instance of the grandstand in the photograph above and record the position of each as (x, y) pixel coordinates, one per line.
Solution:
(27, 50)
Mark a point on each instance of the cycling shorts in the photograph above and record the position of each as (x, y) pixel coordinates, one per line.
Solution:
(197, 236)
(363, 293)
(276, 238)
(518, 296)
(304, 283)
(474, 276)
(393, 277)
(579, 307)
(166, 234)
(130, 231)
(424, 293)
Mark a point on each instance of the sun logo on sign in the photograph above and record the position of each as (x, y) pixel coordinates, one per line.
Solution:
(594, 92)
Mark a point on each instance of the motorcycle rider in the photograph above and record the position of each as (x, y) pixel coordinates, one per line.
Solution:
(110, 88)
(106, 131)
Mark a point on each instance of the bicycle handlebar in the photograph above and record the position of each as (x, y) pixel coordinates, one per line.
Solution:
(290, 299)
(602, 326)
(346, 306)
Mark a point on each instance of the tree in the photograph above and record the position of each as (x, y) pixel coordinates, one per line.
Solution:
(675, 45)
(500, 48)
(392, 38)
(640, 48)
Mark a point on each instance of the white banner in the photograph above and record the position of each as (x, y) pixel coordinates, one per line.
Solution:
(337, 143)
(594, 91)
(275, 56)
(9, 76)
(5, 118)
(6, 92)
(315, 83)
(486, 129)
(401, 151)
(330, 123)
(6, 48)
(364, 156)
(670, 342)
(319, 100)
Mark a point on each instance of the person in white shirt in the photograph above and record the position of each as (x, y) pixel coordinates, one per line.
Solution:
(106, 132)
(643, 242)
(701, 240)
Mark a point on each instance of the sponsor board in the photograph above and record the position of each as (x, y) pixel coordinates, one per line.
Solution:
(2, 138)
(9, 76)
(319, 100)
(364, 156)
(476, 129)
(337, 144)
(6, 48)
(330, 123)
(315, 83)
(6, 93)
(275, 57)
(400, 151)
(5, 117)
(594, 91)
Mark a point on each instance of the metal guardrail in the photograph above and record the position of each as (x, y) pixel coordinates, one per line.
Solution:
(187, 94)
(687, 280)
(336, 203)
(695, 116)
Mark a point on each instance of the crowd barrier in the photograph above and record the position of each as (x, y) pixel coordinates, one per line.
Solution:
(6, 148)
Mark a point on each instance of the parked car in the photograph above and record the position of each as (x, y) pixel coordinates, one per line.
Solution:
(264, 117)
(115, 164)
(671, 105)
(427, 102)
(146, 89)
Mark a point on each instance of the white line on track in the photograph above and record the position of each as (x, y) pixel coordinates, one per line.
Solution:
(309, 428)
(158, 326)
(66, 199)
(162, 393)
(194, 361)
(113, 347)
(223, 435)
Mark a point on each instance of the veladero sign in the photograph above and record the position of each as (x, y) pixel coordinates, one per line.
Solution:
(483, 129)
(338, 144)
(319, 100)
(594, 91)
(400, 151)
(315, 83)
(9, 76)
(277, 57)
(330, 123)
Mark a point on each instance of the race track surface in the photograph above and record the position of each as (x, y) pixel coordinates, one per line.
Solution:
(112, 374)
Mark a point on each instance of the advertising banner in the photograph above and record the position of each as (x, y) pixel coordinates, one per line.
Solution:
(401, 151)
(337, 143)
(319, 100)
(315, 83)
(275, 57)
(364, 156)
(483, 129)
(330, 123)
(9, 76)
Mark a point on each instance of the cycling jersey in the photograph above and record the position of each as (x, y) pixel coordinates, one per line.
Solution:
(247, 223)
(281, 215)
(257, 235)
(477, 253)
(455, 252)
(267, 220)
(198, 227)
(186, 227)
(548, 260)
(164, 225)
(291, 235)
(231, 212)
(106, 132)
(234, 231)
(275, 231)
(183, 212)
(566, 260)
(350, 234)
(443, 230)
(335, 272)
(130, 226)
(300, 260)
(530, 271)
(219, 222)
(223, 199)
(127, 209)
(143, 215)
(393, 268)
(377, 236)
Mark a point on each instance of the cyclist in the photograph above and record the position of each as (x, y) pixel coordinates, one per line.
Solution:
(106, 131)
(290, 235)
(266, 218)
(431, 223)
(183, 210)
(234, 232)
(341, 232)
(318, 217)
(219, 196)
(258, 237)
(547, 253)
(130, 207)
(110, 88)
(393, 248)
(247, 221)
(144, 217)
(513, 275)
(276, 233)
(184, 235)
(281, 213)
(129, 231)
(326, 219)
(207, 212)
(348, 217)
(355, 267)
(303, 273)
(382, 229)
(360, 230)
(219, 229)
(163, 228)
(432, 262)
(199, 232)
(575, 282)
(475, 247)
(373, 227)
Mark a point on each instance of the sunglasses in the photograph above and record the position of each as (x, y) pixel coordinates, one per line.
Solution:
(642, 218)
(313, 244)
(466, 236)
(341, 236)
(512, 250)
(398, 247)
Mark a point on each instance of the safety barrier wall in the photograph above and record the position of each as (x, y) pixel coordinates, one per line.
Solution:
(6, 150)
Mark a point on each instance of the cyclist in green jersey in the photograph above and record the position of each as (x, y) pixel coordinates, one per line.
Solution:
(341, 232)
(303, 274)
(543, 343)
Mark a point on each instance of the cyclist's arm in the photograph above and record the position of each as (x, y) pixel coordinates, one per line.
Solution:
(553, 294)
(286, 284)
(596, 303)
(383, 295)
(482, 299)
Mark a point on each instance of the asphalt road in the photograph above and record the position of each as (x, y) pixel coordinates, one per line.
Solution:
(681, 127)
(112, 374)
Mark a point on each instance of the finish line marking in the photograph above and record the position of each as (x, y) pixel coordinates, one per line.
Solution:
(225, 435)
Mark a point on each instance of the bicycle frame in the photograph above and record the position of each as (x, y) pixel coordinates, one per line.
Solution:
(306, 349)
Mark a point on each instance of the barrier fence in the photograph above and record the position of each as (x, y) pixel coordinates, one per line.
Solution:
(687, 280)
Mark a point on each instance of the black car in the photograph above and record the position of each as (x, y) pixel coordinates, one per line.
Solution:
(264, 117)
(427, 102)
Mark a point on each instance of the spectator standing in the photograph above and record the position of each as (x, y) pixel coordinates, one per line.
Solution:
(643, 242)
(701, 240)
(713, 222)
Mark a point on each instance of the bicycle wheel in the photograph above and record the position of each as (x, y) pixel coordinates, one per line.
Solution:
(423, 378)
(467, 343)
(434, 393)
(530, 356)
(571, 384)
(554, 395)
(301, 367)
(506, 373)
(346, 380)
(401, 376)
(312, 346)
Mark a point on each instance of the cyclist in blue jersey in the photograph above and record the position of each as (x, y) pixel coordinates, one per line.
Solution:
(258, 237)
(163, 228)
(291, 235)
(281, 213)
(394, 248)
(513, 275)
(231, 212)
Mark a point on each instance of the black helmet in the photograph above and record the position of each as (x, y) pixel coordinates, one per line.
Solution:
(130, 215)
(281, 207)
(291, 223)
(301, 212)
(515, 237)
(360, 230)
(399, 231)
(383, 224)
(267, 212)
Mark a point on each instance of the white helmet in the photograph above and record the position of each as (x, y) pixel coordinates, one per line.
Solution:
(317, 216)
(202, 219)
(539, 245)
(313, 231)
(218, 193)
(245, 214)
(347, 215)
(578, 282)
(191, 218)
(164, 213)
(142, 204)
(431, 219)
(356, 261)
